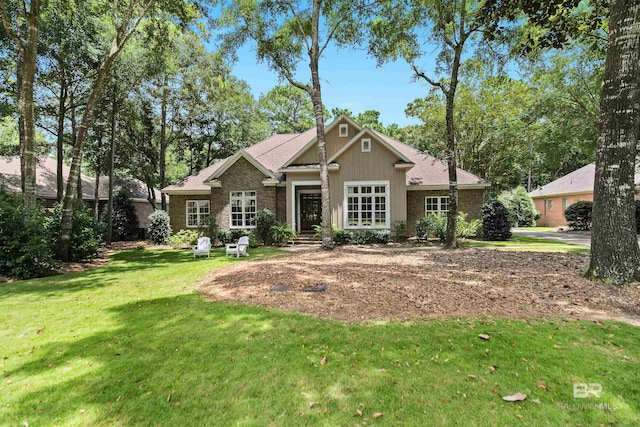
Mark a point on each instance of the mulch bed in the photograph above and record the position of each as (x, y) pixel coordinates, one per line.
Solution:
(365, 286)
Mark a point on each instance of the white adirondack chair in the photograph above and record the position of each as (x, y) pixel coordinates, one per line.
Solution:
(240, 248)
(203, 247)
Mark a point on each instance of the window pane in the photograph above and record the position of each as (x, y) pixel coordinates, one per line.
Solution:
(444, 204)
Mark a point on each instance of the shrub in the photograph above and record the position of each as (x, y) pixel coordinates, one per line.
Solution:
(209, 227)
(369, 237)
(232, 236)
(265, 221)
(26, 248)
(86, 234)
(125, 221)
(578, 215)
(467, 229)
(400, 231)
(522, 210)
(282, 233)
(495, 221)
(342, 237)
(183, 239)
(432, 225)
(159, 228)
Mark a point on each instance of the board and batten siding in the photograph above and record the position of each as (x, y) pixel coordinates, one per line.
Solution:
(376, 165)
(333, 143)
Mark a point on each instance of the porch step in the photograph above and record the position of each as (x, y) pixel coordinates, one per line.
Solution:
(306, 239)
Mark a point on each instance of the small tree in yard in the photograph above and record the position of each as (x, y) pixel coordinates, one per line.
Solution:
(578, 215)
(495, 221)
(265, 220)
(522, 210)
(125, 220)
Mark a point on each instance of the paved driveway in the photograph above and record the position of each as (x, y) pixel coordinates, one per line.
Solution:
(573, 238)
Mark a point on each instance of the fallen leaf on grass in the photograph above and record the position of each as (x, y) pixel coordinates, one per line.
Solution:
(358, 413)
(377, 415)
(515, 398)
(519, 416)
(323, 361)
(484, 336)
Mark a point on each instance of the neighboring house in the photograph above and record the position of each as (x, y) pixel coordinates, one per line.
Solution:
(46, 188)
(552, 199)
(374, 181)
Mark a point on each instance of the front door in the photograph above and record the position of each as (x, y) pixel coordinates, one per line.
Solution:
(310, 210)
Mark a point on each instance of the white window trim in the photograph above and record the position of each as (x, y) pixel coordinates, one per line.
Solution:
(440, 210)
(199, 215)
(345, 205)
(244, 219)
(366, 142)
(343, 130)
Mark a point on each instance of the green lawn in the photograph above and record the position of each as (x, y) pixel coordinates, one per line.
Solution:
(133, 344)
(519, 242)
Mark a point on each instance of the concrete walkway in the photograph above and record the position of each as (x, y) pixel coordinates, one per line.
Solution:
(580, 239)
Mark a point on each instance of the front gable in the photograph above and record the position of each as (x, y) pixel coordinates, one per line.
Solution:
(367, 144)
(243, 162)
(337, 134)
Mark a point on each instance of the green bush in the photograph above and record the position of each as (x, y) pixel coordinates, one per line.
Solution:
(578, 215)
(159, 228)
(467, 229)
(86, 234)
(435, 225)
(432, 225)
(495, 221)
(232, 236)
(282, 233)
(209, 227)
(26, 248)
(342, 237)
(522, 210)
(369, 237)
(183, 239)
(265, 221)
(125, 220)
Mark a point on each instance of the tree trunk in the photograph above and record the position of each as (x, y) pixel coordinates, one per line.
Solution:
(451, 241)
(21, 130)
(316, 98)
(112, 155)
(64, 235)
(163, 144)
(614, 248)
(62, 111)
(28, 150)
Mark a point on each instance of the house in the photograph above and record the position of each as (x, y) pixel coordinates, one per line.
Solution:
(552, 199)
(46, 188)
(374, 181)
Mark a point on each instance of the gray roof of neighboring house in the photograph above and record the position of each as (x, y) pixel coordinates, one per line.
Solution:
(46, 179)
(578, 181)
(276, 150)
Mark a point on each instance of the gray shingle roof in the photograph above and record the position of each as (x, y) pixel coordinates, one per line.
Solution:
(276, 150)
(578, 181)
(46, 179)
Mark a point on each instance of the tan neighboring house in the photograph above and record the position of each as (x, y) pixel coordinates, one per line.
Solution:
(552, 199)
(46, 187)
(374, 181)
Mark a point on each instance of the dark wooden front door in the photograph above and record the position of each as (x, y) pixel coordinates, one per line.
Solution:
(310, 211)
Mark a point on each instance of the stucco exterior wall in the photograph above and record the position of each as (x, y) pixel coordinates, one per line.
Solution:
(469, 201)
(241, 176)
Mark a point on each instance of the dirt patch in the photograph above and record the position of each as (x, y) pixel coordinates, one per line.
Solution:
(363, 286)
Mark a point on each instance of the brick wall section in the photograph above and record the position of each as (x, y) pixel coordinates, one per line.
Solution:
(281, 204)
(242, 176)
(469, 201)
(178, 210)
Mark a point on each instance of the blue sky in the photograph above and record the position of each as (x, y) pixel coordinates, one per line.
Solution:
(349, 80)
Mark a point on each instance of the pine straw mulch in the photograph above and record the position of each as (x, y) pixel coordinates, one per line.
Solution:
(364, 286)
